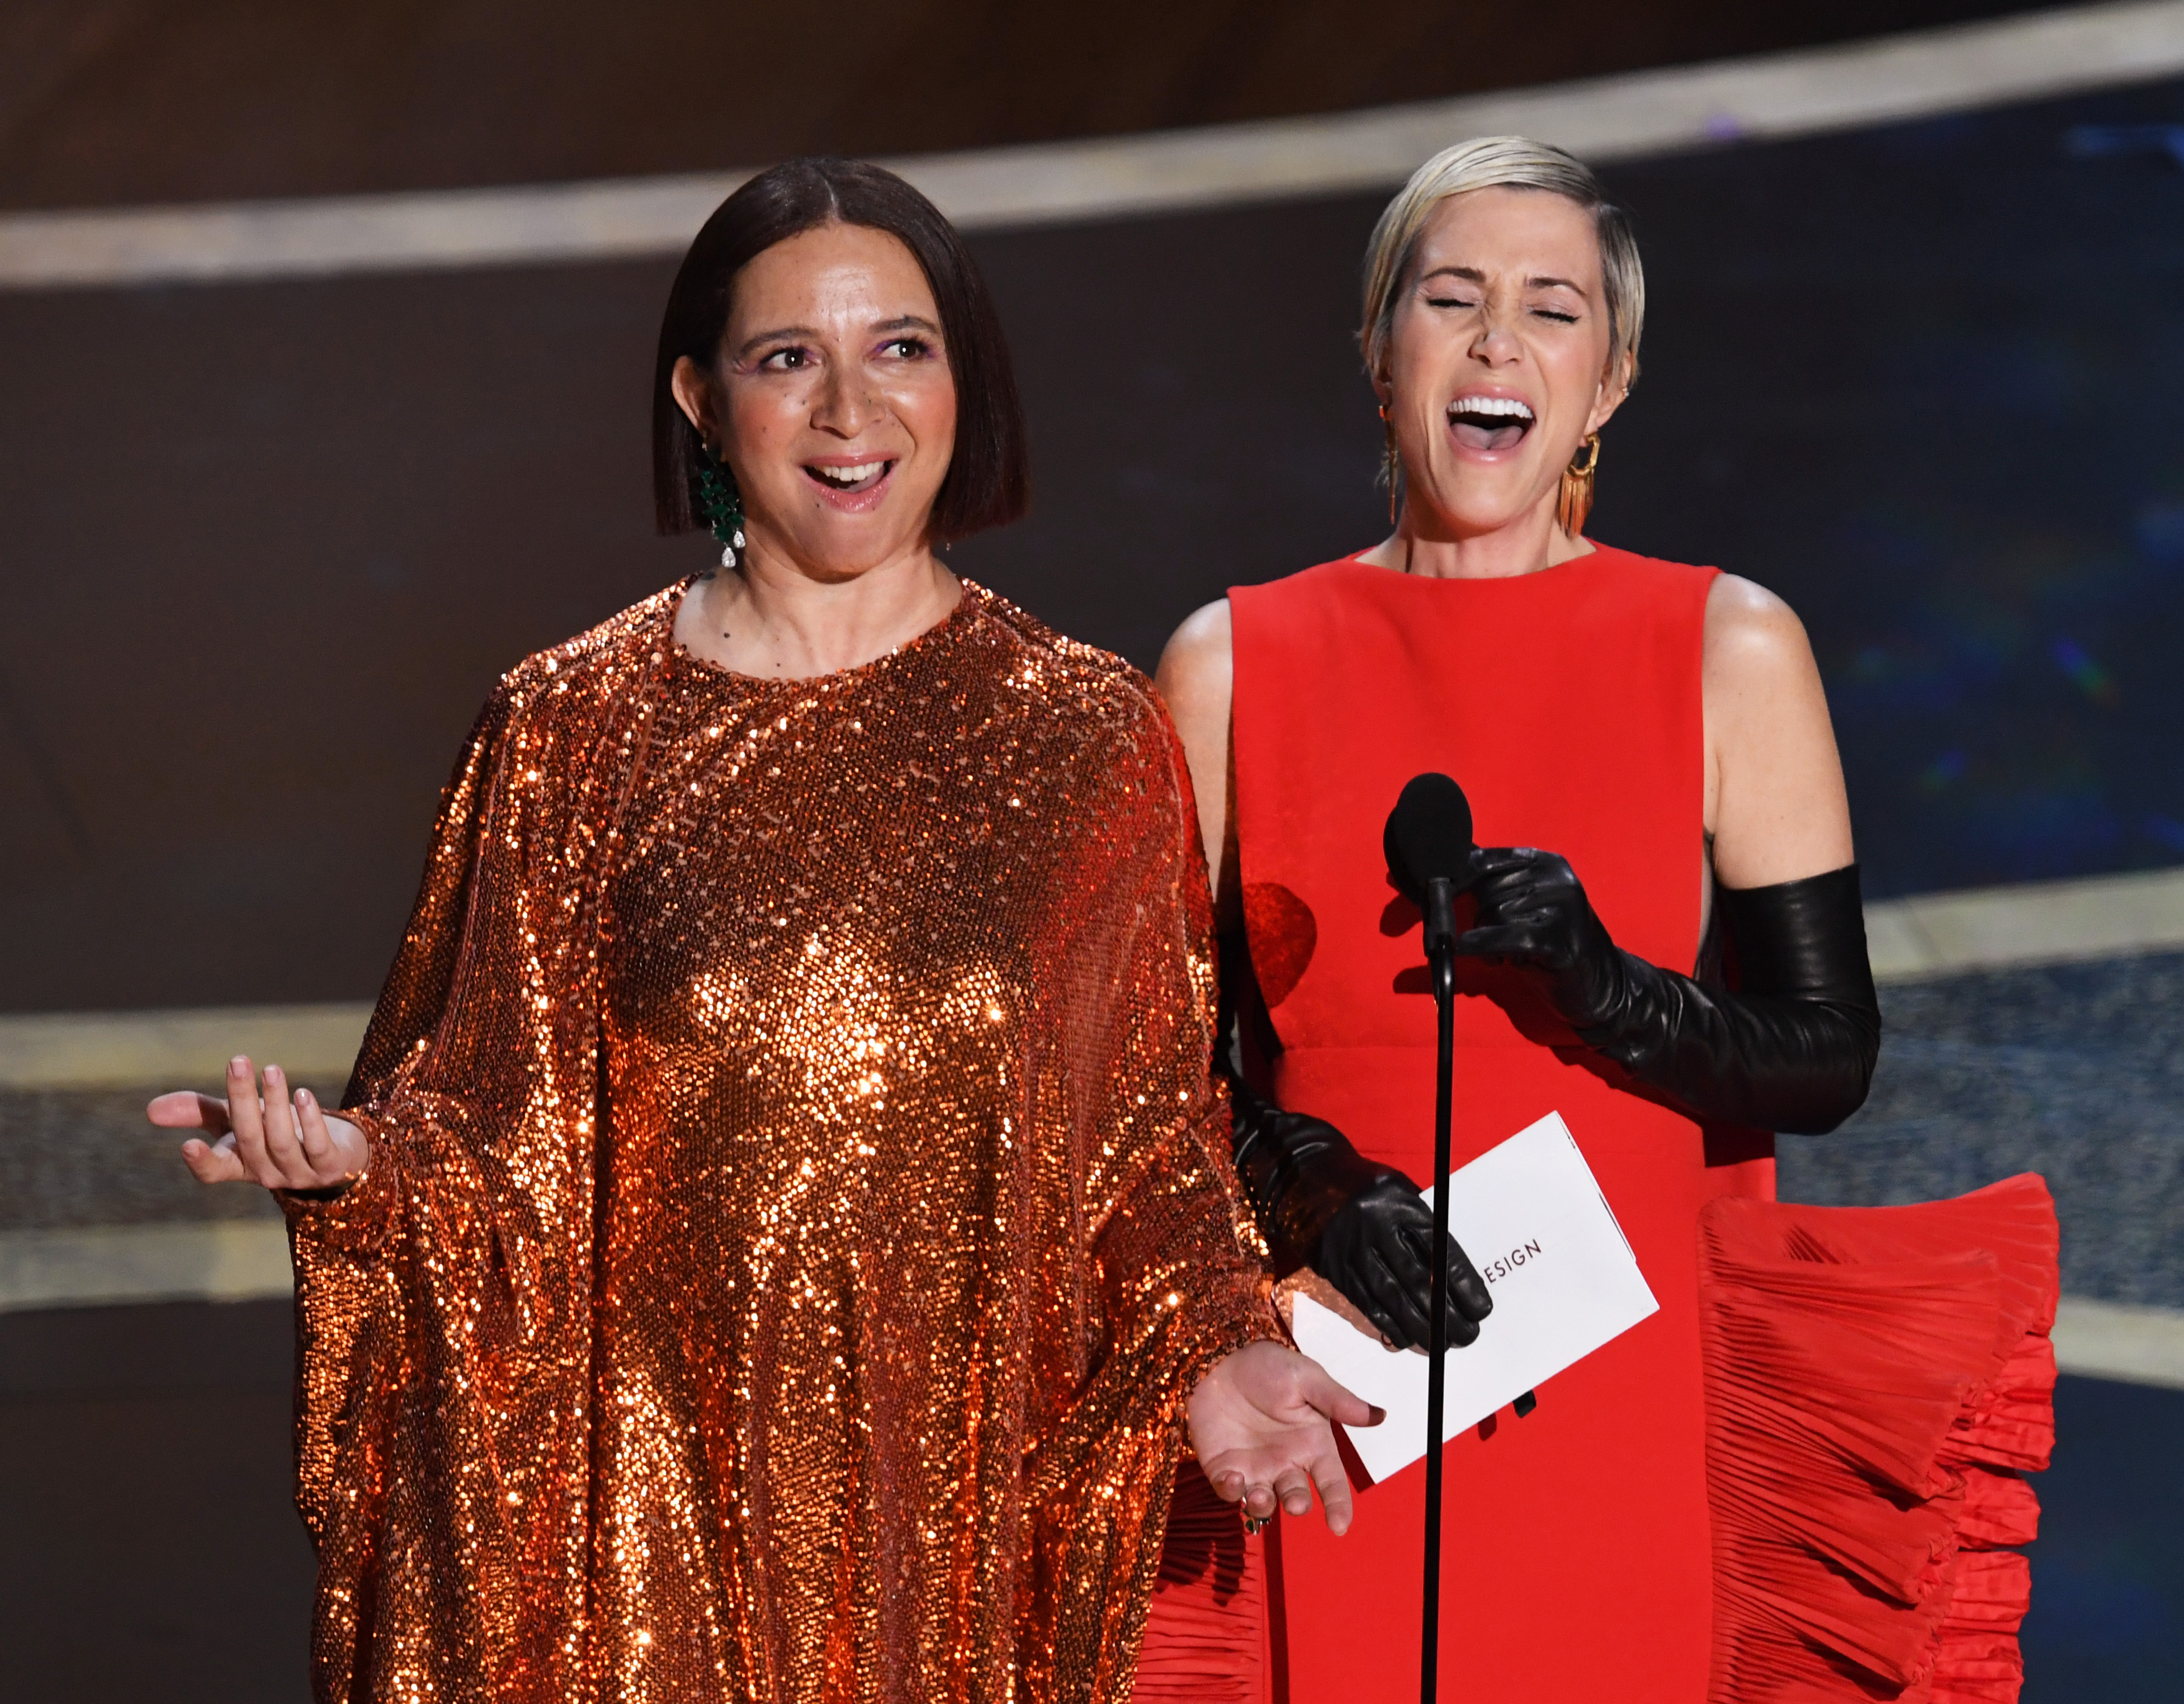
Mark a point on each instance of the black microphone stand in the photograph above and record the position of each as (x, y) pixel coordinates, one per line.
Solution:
(1441, 953)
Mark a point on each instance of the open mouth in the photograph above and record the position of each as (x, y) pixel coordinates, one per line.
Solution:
(1489, 422)
(848, 478)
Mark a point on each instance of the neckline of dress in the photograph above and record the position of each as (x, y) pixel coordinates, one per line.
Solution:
(957, 619)
(1552, 573)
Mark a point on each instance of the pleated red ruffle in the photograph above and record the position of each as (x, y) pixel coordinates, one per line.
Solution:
(1205, 1632)
(1879, 1379)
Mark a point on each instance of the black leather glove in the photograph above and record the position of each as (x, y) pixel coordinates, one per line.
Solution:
(1791, 1049)
(1363, 1228)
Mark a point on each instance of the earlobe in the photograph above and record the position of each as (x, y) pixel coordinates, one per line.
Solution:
(692, 394)
(1606, 398)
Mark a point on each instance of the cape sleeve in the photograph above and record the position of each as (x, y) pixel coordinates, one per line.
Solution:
(443, 1346)
(1178, 1274)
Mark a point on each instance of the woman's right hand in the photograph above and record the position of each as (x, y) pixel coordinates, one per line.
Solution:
(1378, 1250)
(281, 1139)
(1362, 1226)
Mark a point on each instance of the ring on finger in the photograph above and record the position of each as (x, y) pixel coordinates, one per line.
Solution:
(1256, 1524)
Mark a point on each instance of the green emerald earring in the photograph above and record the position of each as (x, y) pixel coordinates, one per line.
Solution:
(723, 505)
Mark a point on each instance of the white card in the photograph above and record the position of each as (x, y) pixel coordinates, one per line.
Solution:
(1562, 1275)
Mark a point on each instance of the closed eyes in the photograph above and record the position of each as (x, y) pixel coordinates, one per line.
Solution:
(1560, 316)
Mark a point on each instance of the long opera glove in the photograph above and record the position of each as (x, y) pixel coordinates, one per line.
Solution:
(1364, 1228)
(1792, 1049)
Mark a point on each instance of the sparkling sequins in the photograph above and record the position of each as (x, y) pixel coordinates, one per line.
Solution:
(797, 1210)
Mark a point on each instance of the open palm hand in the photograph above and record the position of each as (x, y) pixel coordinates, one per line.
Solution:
(1260, 1425)
(282, 1140)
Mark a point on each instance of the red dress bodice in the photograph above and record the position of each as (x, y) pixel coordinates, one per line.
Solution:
(1802, 1478)
(1567, 704)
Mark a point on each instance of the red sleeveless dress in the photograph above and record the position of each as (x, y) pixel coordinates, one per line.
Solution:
(1580, 1563)
(1567, 705)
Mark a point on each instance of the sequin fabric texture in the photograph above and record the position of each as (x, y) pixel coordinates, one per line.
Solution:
(798, 1208)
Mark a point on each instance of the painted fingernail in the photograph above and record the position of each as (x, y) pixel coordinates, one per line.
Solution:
(1378, 1415)
(238, 1066)
(304, 1099)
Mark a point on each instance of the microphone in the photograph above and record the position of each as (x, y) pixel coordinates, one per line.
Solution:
(1428, 844)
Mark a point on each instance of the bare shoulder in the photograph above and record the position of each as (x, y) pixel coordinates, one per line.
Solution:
(1751, 636)
(1196, 680)
(1198, 667)
(1776, 803)
(1202, 645)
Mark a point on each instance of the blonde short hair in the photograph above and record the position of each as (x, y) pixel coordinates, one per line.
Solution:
(1506, 163)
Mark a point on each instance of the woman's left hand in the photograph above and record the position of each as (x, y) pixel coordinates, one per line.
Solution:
(1533, 914)
(1259, 1423)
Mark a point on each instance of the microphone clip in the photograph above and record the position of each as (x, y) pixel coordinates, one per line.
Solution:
(1441, 934)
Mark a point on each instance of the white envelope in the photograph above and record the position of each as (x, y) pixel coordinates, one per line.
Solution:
(1562, 1274)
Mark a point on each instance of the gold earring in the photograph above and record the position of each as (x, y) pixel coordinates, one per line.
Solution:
(1390, 466)
(1575, 502)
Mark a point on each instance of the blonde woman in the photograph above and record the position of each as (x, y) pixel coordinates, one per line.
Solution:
(1648, 751)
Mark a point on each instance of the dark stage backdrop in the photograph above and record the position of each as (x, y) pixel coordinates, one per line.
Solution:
(263, 549)
(118, 101)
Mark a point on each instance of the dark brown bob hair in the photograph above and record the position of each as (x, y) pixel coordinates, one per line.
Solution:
(989, 483)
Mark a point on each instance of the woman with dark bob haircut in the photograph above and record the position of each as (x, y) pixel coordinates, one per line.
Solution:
(780, 1239)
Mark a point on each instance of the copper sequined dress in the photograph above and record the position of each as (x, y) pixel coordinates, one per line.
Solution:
(797, 1210)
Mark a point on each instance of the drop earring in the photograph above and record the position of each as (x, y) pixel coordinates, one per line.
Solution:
(1390, 464)
(722, 503)
(1574, 502)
